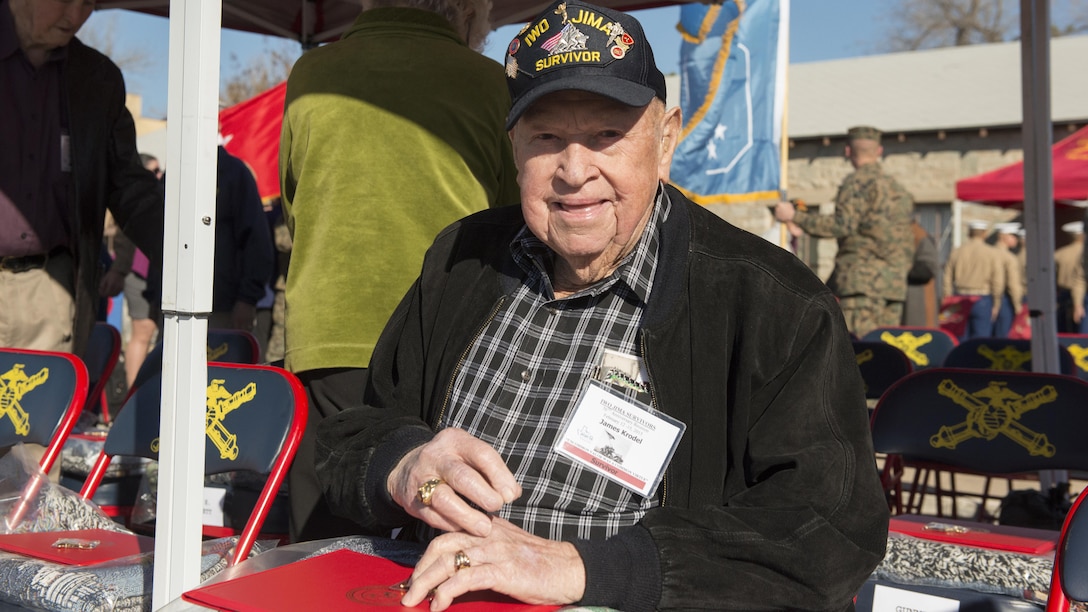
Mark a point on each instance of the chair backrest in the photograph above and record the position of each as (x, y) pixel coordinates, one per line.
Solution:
(880, 365)
(1070, 578)
(1010, 354)
(1077, 345)
(255, 416)
(224, 346)
(41, 396)
(101, 357)
(990, 422)
(926, 347)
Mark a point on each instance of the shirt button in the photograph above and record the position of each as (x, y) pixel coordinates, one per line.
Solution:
(553, 310)
(525, 375)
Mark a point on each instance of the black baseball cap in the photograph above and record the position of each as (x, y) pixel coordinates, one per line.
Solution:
(574, 45)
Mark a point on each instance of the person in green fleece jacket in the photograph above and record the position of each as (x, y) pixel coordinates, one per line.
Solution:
(389, 134)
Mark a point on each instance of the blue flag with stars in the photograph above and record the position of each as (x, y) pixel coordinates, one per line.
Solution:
(733, 61)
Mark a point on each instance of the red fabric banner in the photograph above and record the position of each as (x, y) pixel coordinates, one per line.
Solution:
(251, 131)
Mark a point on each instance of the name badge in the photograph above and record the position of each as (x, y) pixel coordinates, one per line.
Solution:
(620, 439)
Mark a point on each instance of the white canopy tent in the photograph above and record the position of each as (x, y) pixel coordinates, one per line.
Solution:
(190, 223)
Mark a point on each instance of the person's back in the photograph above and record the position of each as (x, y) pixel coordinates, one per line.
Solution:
(390, 134)
(874, 260)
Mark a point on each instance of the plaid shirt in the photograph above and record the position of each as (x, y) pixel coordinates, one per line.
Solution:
(527, 369)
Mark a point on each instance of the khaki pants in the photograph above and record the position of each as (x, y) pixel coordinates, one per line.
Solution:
(37, 311)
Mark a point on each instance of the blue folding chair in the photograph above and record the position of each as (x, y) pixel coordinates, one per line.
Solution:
(42, 394)
(926, 347)
(1077, 345)
(986, 422)
(1070, 578)
(254, 419)
(224, 346)
(880, 365)
(101, 357)
(1009, 354)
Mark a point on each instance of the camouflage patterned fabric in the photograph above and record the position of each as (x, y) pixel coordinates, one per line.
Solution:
(872, 223)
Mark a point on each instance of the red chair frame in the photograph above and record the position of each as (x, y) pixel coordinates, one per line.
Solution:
(145, 400)
(1057, 600)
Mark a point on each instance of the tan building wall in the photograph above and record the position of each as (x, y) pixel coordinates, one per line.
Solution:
(144, 125)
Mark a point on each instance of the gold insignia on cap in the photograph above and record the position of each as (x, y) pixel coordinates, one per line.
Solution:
(511, 67)
(562, 10)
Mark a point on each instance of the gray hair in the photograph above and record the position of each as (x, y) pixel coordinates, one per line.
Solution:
(470, 18)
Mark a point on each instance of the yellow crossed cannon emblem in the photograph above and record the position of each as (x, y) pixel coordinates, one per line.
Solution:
(1008, 358)
(14, 384)
(1080, 355)
(215, 353)
(221, 403)
(992, 411)
(909, 344)
(864, 356)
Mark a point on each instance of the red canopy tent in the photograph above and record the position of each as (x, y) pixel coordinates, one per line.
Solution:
(1005, 186)
(251, 131)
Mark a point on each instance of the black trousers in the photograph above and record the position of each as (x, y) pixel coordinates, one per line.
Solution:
(329, 391)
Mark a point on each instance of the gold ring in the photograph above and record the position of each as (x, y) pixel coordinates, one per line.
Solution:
(461, 561)
(426, 490)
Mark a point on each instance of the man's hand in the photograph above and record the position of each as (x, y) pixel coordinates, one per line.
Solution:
(471, 472)
(243, 315)
(111, 284)
(784, 212)
(1078, 312)
(510, 560)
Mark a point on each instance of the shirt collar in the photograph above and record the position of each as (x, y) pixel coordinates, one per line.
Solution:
(9, 41)
(636, 270)
(9, 38)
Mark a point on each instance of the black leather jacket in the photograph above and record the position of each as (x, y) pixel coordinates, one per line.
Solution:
(772, 499)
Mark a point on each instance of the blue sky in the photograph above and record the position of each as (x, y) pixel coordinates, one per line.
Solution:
(820, 30)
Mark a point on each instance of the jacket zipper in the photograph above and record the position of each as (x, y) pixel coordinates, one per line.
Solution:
(461, 361)
(656, 408)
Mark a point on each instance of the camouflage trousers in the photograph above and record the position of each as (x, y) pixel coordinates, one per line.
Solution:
(276, 347)
(863, 313)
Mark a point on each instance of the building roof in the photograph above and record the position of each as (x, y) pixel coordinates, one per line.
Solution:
(950, 88)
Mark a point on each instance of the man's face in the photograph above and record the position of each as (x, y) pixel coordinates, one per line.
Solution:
(49, 24)
(588, 168)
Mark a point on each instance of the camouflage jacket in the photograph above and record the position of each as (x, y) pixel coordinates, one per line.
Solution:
(872, 224)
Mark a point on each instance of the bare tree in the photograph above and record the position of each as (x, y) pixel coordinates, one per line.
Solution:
(260, 73)
(101, 33)
(912, 24)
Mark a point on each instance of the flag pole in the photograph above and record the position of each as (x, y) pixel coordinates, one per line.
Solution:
(783, 91)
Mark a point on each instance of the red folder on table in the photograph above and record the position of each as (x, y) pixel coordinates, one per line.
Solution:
(80, 547)
(964, 533)
(340, 580)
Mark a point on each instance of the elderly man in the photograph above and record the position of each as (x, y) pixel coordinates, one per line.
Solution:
(68, 154)
(609, 395)
(872, 223)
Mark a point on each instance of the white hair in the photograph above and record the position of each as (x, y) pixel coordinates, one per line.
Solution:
(470, 18)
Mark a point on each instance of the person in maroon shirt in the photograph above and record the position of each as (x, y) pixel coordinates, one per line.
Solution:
(70, 153)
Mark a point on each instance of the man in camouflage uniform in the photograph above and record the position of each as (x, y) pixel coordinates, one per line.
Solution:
(872, 223)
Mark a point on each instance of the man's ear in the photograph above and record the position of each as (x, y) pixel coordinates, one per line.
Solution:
(670, 136)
